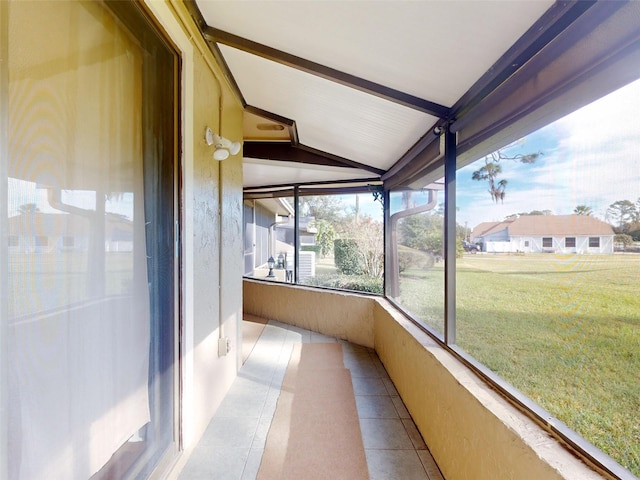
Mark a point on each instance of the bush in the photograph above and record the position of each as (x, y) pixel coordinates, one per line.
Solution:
(635, 235)
(359, 283)
(347, 256)
(408, 258)
(311, 248)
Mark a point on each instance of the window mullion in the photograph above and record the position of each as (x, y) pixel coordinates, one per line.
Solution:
(296, 234)
(450, 237)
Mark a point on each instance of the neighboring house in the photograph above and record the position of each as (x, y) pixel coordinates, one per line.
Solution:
(286, 232)
(49, 232)
(546, 233)
(270, 232)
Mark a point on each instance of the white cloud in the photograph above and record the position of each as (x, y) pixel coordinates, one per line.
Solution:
(591, 157)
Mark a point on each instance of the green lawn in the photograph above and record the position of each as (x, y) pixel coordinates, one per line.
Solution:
(564, 329)
(54, 280)
(325, 266)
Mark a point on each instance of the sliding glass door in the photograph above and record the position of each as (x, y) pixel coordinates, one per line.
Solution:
(89, 173)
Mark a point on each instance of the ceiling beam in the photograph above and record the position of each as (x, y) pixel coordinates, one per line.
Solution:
(545, 30)
(285, 152)
(201, 23)
(215, 35)
(548, 27)
(359, 185)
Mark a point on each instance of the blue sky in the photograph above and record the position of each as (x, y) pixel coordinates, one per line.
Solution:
(590, 157)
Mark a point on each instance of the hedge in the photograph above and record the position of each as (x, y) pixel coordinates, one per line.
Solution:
(347, 256)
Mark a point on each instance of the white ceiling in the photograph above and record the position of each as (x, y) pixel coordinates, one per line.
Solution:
(330, 117)
(259, 172)
(433, 50)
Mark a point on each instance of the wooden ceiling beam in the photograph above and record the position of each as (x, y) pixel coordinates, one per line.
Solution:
(286, 152)
(219, 36)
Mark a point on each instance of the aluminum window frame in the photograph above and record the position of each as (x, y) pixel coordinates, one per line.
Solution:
(535, 93)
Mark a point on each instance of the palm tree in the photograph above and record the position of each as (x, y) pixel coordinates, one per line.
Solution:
(490, 172)
(492, 168)
(583, 210)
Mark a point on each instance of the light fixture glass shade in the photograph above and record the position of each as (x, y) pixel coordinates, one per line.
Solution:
(234, 148)
(224, 146)
(221, 154)
(208, 136)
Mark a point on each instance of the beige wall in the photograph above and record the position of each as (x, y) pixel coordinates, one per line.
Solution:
(212, 257)
(338, 314)
(472, 432)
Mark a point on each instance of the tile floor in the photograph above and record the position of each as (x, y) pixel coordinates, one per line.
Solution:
(232, 446)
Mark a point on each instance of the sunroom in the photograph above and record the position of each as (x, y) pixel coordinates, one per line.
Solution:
(177, 172)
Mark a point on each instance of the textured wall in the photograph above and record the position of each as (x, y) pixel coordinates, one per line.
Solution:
(216, 265)
(211, 257)
(472, 432)
(337, 314)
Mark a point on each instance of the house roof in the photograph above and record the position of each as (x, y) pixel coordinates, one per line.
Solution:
(359, 91)
(487, 228)
(551, 225)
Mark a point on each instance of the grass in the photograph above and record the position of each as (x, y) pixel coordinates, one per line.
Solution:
(563, 329)
(54, 280)
(325, 266)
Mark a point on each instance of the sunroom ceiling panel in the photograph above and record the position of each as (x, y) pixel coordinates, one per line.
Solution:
(257, 173)
(434, 50)
(330, 117)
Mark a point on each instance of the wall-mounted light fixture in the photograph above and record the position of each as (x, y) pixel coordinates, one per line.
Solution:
(223, 146)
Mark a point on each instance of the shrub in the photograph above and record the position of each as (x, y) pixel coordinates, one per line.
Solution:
(347, 256)
(635, 235)
(359, 283)
(311, 248)
(408, 258)
(622, 241)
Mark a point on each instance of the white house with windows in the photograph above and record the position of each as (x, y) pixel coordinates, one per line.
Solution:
(545, 234)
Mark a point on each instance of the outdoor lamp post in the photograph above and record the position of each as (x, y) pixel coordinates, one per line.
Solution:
(271, 262)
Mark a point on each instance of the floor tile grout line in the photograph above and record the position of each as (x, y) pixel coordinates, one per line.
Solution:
(263, 407)
(370, 366)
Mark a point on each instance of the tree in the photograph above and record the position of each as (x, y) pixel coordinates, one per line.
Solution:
(422, 232)
(407, 200)
(493, 168)
(371, 247)
(347, 256)
(583, 210)
(323, 207)
(539, 212)
(28, 208)
(325, 236)
(623, 240)
(623, 212)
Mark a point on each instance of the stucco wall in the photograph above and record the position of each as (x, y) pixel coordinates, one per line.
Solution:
(338, 314)
(211, 257)
(472, 432)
